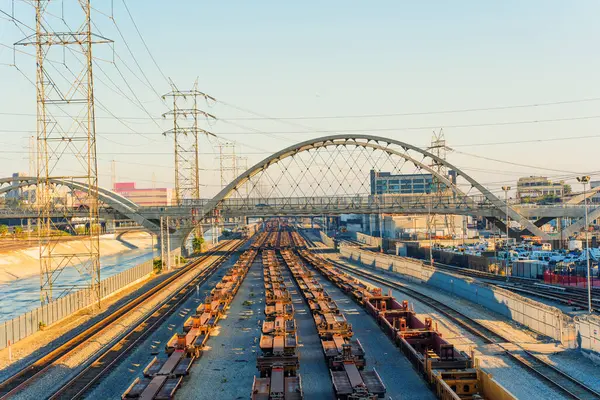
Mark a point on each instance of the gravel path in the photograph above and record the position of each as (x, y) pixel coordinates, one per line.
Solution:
(67, 367)
(509, 374)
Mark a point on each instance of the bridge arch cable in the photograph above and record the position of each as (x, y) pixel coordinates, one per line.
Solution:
(334, 174)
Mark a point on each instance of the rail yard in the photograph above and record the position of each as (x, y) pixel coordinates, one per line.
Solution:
(263, 202)
(276, 317)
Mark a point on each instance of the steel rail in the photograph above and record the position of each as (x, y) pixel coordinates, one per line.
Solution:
(550, 374)
(571, 296)
(102, 363)
(19, 380)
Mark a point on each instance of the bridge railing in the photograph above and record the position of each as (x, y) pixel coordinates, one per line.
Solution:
(385, 200)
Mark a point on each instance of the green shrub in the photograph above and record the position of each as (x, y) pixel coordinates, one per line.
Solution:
(157, 265)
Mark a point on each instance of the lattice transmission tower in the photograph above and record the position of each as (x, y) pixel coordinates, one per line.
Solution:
(227, 163)
(439, 148)
(66, 148)
(186, 131)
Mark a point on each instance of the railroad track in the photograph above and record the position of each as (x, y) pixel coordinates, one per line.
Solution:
(524, 285)
(308, 241)
(120, 346)
(570, 296)
(565, 383)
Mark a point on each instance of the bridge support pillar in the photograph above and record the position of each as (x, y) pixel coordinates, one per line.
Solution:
(110, 226)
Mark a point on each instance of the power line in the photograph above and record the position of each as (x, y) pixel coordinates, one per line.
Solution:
(356, 116)
(456, 111)
(135, 59)
(144, 42)
(528, 141)
(367, 130)
(513, 163)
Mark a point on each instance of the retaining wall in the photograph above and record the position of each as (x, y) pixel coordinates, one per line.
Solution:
(368, 239)
(326, 240)
(541, 318)
(588, 334)
(26, 324)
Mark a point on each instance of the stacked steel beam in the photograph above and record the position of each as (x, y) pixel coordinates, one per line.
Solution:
(345, 356)
(278, 365)
(450, 372)
(162, 377)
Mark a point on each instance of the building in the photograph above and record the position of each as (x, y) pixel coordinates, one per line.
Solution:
(144, 197)
(386, 183)
(535, 188)
(419, 226)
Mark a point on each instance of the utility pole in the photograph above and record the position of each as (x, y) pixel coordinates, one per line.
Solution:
(66, 151)
(185, 133)
(429, 229)
(506, 189)
(585, 180)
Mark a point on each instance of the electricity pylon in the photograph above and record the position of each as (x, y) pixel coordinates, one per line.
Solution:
(66, 150)
(185, 133)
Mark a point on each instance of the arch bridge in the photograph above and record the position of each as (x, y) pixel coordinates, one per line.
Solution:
(359, 174)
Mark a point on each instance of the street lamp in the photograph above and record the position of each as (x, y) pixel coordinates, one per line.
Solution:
(585, 179)
(506, 189)
(429, 224)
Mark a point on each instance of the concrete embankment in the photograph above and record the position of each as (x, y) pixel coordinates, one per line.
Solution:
(23, 263)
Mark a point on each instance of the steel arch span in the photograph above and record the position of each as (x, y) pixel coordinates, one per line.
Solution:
(337, 165)
(121, 204)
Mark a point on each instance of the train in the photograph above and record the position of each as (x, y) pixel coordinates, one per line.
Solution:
(344, 355)
(163, 376)
(278, 365)
(450, 372)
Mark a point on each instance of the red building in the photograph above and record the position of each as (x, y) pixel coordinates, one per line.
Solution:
(144, 197)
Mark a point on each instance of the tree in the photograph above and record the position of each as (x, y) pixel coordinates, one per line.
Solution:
(18, 231)
(157, 265)
(197, 243)
(3, 230)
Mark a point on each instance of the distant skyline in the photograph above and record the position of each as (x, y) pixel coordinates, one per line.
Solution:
(338, 59)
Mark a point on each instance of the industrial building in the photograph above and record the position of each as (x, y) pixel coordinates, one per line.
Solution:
(145, 197)
(386, 183)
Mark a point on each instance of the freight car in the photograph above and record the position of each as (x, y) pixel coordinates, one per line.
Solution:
(163, 376)
(278, 364)
(298, 240)
(337, 349)
(345, 357)
(277, 386)
(449, 371)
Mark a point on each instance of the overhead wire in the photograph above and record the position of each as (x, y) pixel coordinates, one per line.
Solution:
(417, 113)
(144, 42)
(135, 59)
(366, 130)
(513, 163)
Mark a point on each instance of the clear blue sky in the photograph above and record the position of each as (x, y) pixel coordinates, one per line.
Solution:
(286, 59)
